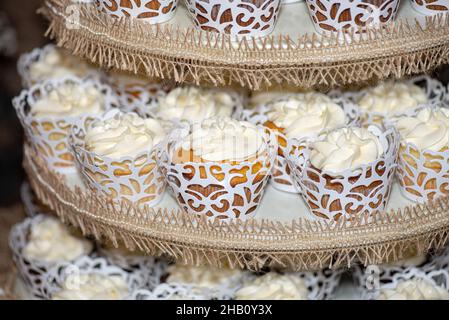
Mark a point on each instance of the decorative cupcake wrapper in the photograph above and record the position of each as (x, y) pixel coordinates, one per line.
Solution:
(172, 291)
(217, 190)
(430, 7)
(49, 136)
(31, 271)
(434, 89)
(146, 267)
(151, 11)
(332, 16)
(372, 279)
(237, 18)
(136, 180)
(55, 277)
(28, 59)
(352, 193)
(281, 173)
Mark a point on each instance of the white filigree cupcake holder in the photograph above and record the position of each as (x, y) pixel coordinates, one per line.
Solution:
(431, 7)
(434, 90)
(149, 11)
(372, 279)
(135, 180)
(217, 190)
(330, 16)
(360, 192)
(255, 18)
(55, 277)
(31, 271)
(281, 172)
(49, 135)
(172, 291)
(28, 59)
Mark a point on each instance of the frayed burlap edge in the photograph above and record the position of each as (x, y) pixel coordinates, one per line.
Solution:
(189, 55)
(253, 244)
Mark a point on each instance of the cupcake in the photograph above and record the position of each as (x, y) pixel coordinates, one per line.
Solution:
(116, 154)
(38, 244)
(51, 62)
(414, 289)
(334, 15)
(173, 291)
(299, 117)
(219, 167)
(347, 172)
(192, 104)
(249, 18)
(430, 7)
(424, 153)
(274, 286)
(148, 11)
(137, 94)
(47, 112)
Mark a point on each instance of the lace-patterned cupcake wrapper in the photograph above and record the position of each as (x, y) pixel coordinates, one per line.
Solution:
(281, 172)
(430, 7)
(31, 271)
(135, 180)
(172, 291)
(150, 11)
(217, 190)
(255, 18)
(49, 136)
(353, 194)
(55, 278)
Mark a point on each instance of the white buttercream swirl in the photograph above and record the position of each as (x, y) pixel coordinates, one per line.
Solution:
(225, 139)
(69, 100)
(123, 135)
(195, 104)
(392, 97)
(50, 241)
(274, 286)
(92, 286)
(345, 148)
(429, 129)
(58, 63)
(202, 276)
(414, 289)
(306, 114)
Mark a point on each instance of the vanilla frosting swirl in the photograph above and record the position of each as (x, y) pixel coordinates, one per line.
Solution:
(345, 148)
(429, 129)
(202, 276)
(392, 97)
(123, 135)
(69, 100)
(50, 241)
(221, 139)
(274, 286)
(414, 289)
(58, 63)
(92, 286)
(195, 104)
(306, 114)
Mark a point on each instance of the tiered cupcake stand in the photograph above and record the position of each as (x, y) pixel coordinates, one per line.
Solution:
(282, 235)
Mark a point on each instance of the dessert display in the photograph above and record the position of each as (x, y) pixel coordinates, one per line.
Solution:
(423, 169)
(48, 110)
(116, 154)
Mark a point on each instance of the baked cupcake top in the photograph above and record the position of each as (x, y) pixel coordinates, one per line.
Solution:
(57, 63)
(414, 289)
(306, 114)
(123, 135)
(202, 276)
(51, 241)
(345, 148)
(224, 139)
(274, 286)
(428, 129)
(127, 79)
(92, 286)
(195, 104)
(69, 100)
(392, 97)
